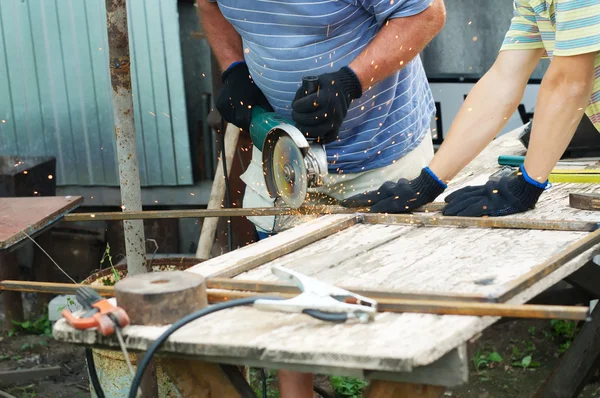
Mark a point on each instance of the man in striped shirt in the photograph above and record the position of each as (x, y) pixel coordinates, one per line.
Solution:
(567, 31)
(374, 106)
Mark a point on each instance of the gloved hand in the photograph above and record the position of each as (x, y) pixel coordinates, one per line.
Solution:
(400, 197)
(509, 195)
(239, 95)
(319, 115)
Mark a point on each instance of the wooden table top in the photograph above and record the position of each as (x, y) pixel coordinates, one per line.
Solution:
(462, 261)
(20, 217)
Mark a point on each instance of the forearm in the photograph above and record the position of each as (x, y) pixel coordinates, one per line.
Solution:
(398, 42)
(223, 39)
(564, 94)
(485, 112)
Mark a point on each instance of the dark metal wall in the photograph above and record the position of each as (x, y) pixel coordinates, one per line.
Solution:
(471, 38)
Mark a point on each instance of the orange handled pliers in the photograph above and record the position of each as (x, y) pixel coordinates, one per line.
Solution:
(100, 313)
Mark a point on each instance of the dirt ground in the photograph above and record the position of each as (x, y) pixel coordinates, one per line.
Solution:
(509, 360)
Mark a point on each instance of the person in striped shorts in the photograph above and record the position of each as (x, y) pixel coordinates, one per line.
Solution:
(373, 109)
(567, 32)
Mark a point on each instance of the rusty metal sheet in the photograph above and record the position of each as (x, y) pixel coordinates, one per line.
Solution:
(20, 217)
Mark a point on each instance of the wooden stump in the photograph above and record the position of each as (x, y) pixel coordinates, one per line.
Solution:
(163, 298)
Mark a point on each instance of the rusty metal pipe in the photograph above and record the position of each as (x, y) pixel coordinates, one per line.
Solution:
(122, 97)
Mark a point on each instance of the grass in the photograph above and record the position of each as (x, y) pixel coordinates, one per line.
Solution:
(348, 386)
(39, 326)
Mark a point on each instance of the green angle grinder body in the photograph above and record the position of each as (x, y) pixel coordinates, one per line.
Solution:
(291, 164)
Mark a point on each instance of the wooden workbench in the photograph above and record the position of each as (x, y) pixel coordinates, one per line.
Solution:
(494, 264)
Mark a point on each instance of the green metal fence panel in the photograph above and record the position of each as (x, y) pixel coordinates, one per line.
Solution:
(55, 95)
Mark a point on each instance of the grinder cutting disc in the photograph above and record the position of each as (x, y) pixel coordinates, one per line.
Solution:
(286, 172)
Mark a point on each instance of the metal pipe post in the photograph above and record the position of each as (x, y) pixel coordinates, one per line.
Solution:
(120, 76)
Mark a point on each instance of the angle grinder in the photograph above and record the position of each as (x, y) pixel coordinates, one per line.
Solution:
(291, 162)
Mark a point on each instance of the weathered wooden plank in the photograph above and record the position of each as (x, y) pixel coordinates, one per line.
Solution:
(547, 267)
(27, 375)
(424, 259)
(252, 256)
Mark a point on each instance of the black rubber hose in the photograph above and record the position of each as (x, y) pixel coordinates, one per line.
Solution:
(326, 316)
(137, 379)
(227, 191)
(89, 356)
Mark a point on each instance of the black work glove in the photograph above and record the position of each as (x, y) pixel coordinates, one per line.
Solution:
(400, 197)
(319, 115)
(509, 195)
(239, 95)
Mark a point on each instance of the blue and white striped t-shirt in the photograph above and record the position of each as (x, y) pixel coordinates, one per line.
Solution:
(285, 40)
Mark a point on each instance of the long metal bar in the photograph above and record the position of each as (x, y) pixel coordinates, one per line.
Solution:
(234, 285)
(385, 304)
(482, 222)
(369, 218)
(122, 96)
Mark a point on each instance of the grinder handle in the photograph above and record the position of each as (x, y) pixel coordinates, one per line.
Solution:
(310, 84)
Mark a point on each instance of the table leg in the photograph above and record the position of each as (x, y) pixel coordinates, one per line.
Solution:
(577, 365)
(388, 389)
(13, 301)
(204, 380)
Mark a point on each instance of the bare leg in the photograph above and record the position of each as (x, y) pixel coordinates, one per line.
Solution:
(295, 384)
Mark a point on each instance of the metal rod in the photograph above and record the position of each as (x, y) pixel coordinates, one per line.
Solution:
(438, 307)
(122, 96)
(482, 222)
(207, 213)
(385, 304)
(369, 218)
(235, 285)
(207, 142)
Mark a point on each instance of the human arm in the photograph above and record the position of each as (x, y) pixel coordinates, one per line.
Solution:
(223, 39)
(564, 94)
(406, 27)
(239, 93)
(486, 110)
(399, 41)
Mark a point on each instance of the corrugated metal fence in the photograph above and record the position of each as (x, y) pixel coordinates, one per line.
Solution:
(55, 89)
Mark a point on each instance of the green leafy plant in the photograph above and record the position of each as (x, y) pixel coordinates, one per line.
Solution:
(526, 362)
(531, 330)
(564, 329)
(40, 326)
(481, 360)
(107, 257)
(348, 386)
(70, 302)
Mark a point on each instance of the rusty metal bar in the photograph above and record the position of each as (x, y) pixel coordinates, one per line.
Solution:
(369, 218)
(205, 213)
(385, 304)
(481, 222)
(223, 285)
(122, 96)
